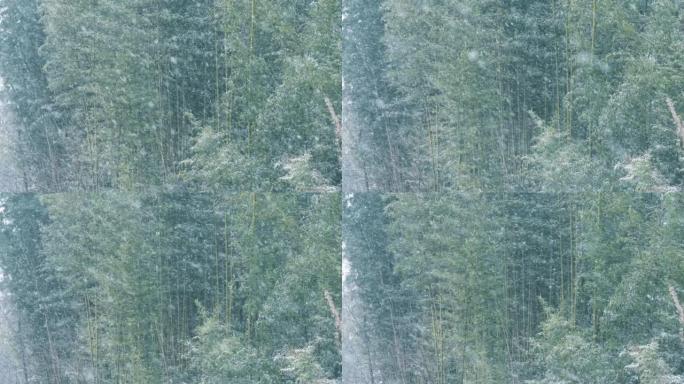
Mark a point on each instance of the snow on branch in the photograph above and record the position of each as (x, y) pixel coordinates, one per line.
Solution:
(677, 120)
(680, 310)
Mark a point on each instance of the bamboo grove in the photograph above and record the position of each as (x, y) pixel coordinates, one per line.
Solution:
(169, 211)
(501, 178)
(513, 206)
(125, 94)
(519, 95)
(172, 287)
(514, 288)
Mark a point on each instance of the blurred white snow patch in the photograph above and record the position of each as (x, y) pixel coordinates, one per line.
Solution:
(583, 57)
(473, 55)
(346, 268)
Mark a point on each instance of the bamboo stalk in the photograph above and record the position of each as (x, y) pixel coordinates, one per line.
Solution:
(226, 263)
(251, 30)
(251, 226)
(593, 28)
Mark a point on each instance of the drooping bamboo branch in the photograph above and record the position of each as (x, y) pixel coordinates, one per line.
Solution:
(680, 310)
(335, 313)
(677, 120)
(335, 119)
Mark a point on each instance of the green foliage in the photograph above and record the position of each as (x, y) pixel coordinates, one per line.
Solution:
(531, 287)
(539, 145)
(518, 95)
(45, 315)
(38, 148)
(649, 367)
(125, 94)
(567, 356)
(221, 357)
(174, 286)
(218, 164)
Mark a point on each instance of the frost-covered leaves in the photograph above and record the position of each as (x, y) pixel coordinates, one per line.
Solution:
(220, 357)
(301, 367)
(649, 367)
(567, 355)
(303, 177)
(217, 164)
(557, 164)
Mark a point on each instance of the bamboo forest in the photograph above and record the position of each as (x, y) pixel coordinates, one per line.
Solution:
(170, 171)
(512, 174)
(341, 191)
(514, 95)
(172, 286)
(127, 94)
(514, 288)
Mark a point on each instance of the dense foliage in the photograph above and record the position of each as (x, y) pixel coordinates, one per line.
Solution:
(513, 176)
(521, 95)
(516, 288)
(127, 94)
(150, 137)
(173, 287)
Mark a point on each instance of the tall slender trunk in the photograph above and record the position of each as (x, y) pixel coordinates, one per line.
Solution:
(22, 348)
